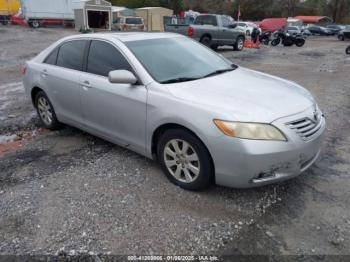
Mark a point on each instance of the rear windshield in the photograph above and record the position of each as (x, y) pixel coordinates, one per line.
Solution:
(133, 21)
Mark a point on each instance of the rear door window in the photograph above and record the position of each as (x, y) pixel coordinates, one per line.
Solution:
(104, 58)
(206, 20)
(71, 55)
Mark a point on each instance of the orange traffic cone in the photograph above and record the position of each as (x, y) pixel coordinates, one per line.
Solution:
(257, 44)
(246, 43)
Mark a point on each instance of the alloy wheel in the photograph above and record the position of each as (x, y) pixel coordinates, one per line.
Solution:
(240, 44)
(45, 110)
(181, 160)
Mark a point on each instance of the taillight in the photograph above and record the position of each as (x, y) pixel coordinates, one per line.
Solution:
(24, 70)
(190, 31)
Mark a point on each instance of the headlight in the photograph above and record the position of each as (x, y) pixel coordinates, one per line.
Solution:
(255, 131)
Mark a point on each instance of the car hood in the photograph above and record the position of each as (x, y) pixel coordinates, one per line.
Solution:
(245, 95)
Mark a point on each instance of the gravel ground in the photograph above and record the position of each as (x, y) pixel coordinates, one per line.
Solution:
(67, 191)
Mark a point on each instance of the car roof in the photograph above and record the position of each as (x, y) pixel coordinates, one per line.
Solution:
(127, 36)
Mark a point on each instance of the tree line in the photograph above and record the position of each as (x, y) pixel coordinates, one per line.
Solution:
(338, 10)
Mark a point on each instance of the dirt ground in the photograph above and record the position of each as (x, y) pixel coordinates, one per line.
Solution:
(67, 191)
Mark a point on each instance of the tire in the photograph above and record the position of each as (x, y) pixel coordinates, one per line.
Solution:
(341, 38)
(276, 42)
(46, 111)
(35, 23)
(206, 40)
(239, 45)
(195, 172)
(347, 51)
(299, 42)
(265, 41)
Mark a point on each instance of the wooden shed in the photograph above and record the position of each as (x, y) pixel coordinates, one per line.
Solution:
(154, 17)
(92, 14)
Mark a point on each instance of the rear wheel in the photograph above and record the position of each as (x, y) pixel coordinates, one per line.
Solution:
(184, 159)
(35, 23)
(341, 37)
(348, 50)
(206, 40)
(265, 41)
(45, 111)
(239, 45)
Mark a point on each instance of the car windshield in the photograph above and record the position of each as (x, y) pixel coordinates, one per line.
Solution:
(133, 21)
(178, 59)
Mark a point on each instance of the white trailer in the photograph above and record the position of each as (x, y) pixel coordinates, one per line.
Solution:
(39, 12)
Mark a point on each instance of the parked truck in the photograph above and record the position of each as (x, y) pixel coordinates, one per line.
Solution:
(211, 30)
(7, 9)
(42, 12)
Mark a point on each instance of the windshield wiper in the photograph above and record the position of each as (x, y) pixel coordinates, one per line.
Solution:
(179, 80)
(220, 71)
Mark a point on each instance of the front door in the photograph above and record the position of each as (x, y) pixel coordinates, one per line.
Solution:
(115, 111)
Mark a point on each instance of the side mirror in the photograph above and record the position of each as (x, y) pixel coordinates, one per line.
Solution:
(122, 77)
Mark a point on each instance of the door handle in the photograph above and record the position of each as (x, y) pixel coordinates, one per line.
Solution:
(86, 85)
(44, 73)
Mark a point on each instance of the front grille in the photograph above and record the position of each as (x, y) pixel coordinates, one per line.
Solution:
(306, 128)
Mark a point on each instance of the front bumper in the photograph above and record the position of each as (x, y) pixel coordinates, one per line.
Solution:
(243, 163)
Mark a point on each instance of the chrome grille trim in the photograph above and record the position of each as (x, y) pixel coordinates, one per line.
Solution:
(305, 127)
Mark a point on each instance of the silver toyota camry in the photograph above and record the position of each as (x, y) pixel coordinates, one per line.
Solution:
(170, 98)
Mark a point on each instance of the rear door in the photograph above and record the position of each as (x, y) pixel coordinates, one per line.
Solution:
(114, 111)
(60, 72)
(228, 35)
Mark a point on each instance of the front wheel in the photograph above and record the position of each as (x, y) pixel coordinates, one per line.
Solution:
(239, 45)
(347, 51)
(299, 42)
(46, 112)
(276, 42)
(185, 160)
